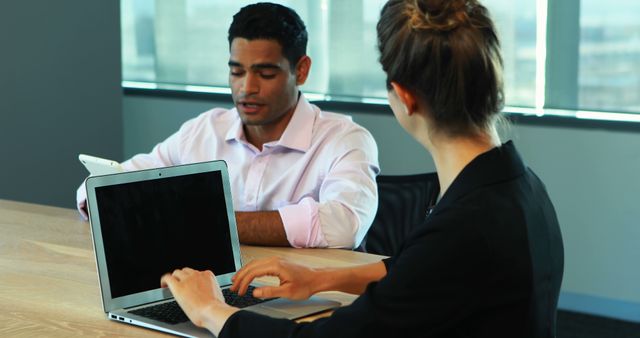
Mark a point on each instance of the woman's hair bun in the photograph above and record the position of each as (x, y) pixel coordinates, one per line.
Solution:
(448, 53)
(440, 15)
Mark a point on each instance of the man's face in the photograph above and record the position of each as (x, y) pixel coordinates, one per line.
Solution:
(263, 86)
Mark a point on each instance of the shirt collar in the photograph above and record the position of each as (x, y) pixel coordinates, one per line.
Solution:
(298, 133)
(236, 132)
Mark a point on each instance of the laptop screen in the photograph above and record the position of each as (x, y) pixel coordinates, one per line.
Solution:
(155, 226)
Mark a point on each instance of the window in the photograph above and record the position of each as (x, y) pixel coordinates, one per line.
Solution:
(516, 24)
(609, 63)
(557, 53)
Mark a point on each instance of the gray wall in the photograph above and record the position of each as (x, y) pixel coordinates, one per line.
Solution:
(591, 174)
(59, 95)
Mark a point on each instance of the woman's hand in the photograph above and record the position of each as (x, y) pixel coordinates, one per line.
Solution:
(296, 281)
(200, 297)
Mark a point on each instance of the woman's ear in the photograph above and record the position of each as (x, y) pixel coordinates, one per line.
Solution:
(407, 97)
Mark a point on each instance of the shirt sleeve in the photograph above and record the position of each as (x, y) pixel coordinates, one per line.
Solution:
(356, 320)
(388, 262)
(81, 201)
(165, 153)
(348, 197)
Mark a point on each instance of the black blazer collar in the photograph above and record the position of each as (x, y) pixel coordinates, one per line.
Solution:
(496, 165)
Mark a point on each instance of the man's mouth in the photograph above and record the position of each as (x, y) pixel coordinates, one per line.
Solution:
(249, 107)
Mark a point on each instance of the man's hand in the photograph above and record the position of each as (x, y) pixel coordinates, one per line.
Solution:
(296, 281)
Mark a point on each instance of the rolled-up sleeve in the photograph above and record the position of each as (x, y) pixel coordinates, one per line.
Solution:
(348, 198)
(302, 225)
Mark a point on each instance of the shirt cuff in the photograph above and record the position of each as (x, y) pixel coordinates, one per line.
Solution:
(302, 224)
(81, 201)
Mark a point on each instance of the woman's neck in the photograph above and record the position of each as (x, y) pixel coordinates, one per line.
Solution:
(452, 154)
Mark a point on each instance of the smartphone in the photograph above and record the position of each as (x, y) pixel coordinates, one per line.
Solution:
(100, 166)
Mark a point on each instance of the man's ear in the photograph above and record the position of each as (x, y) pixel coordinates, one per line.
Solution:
(407, 97)
(302, 69)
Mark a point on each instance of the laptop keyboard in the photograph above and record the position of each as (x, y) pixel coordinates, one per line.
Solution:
(236, 300)
(171, 313)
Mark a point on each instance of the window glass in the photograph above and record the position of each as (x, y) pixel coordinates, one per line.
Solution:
(609, 65)
(138, 40)
(184, 42)
(516, 24)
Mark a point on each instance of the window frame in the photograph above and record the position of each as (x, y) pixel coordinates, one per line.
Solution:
(626, 122)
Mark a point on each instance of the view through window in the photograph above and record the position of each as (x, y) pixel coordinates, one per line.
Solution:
(609, 64)
(184, 43)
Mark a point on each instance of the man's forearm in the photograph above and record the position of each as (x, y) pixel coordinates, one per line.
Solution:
(261, 228)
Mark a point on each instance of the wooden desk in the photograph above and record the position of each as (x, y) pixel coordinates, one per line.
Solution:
(48, 279)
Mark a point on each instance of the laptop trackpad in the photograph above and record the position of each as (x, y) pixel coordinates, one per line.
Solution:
(292, 309)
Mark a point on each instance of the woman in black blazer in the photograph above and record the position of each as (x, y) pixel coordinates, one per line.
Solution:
(487, 261)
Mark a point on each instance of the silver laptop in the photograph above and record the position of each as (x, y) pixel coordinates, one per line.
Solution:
(149, 222)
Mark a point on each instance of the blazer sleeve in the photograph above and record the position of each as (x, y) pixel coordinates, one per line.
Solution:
(428, 286)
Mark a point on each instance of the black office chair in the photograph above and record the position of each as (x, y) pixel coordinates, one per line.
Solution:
(403, 202)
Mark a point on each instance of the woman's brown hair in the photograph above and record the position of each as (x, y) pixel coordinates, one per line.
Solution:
(447, 52)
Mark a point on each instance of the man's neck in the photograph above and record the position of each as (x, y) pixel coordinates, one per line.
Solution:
(258, 135)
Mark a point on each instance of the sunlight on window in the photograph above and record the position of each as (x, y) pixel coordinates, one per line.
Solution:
(609, 65)
(184, 43)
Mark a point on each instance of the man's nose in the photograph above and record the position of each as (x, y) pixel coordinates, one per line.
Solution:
(251, 84)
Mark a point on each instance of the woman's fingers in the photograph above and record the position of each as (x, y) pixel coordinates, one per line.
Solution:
(183, 273)
(271, 291)
(243, 278)
(176, 276)
(166, 280)
(242, 284)
(294, 279)
(257, 262)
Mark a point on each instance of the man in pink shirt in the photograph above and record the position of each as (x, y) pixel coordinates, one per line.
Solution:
(299, 176)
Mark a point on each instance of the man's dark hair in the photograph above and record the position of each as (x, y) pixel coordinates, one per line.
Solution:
(271, 21)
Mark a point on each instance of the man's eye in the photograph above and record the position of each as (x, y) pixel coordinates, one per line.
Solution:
(267, 75)
(236, 72)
